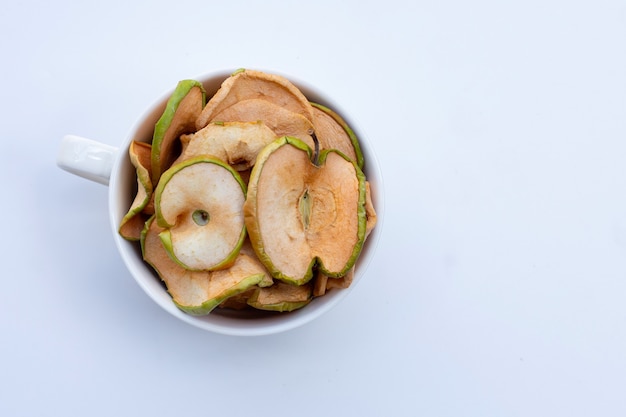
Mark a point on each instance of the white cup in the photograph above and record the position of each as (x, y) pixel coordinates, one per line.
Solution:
(111, 166)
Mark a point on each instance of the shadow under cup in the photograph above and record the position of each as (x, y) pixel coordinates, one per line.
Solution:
(122, 189)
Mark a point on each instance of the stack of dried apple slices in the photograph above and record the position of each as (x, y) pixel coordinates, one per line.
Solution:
(254, 199)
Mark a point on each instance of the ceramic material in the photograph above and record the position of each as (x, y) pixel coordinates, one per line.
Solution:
(111, 166)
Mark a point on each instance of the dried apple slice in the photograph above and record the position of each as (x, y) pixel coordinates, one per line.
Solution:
(238, 301)
(248, 251)
(236, 143)
(250, 84)
(181, 111)
(199, 292)
(323, 283)
(370, 211)
(282, 121)
(281, 297)
(341, 282)
(132, 223)
(319, 284)
(300, 214)
(333, 132)
(199, 203)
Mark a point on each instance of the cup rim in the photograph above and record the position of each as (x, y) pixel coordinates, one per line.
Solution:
(221, 321)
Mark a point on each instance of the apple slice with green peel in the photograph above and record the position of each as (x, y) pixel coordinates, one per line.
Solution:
(341, 282)
(199, 203)
(281, 297)
(181, 111)
(333, 132)
(282, 121)
(132, 223)
(300, 215)
(236, 143)
(248, 251)
(199, 292)
(238, 301)
(250, 84)
(370, 211)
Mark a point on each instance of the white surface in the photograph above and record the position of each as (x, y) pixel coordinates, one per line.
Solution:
(500, 282)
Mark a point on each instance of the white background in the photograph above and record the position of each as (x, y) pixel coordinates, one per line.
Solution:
(499, 284)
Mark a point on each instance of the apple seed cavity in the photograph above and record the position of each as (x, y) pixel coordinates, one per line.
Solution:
(200, 217)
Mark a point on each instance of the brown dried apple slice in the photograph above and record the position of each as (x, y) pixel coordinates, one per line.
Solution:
(238, 301)
(179, 116)
(199, 292)
(323, 282)
(132, 223)
(333, 132)
(250, 84)
(236, 143)
(281, 297)
(341, 282)
(282, 121)
(319, 284)
(299, 214)
(370, 211)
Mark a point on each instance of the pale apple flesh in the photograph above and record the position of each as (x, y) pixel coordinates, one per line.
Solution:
(300, 215)
(236, 143)
(199, 202)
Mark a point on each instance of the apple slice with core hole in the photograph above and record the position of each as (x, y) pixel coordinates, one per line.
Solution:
(199, 203)
(300, 214)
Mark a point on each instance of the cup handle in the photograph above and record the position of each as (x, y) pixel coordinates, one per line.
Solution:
(87, 158)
